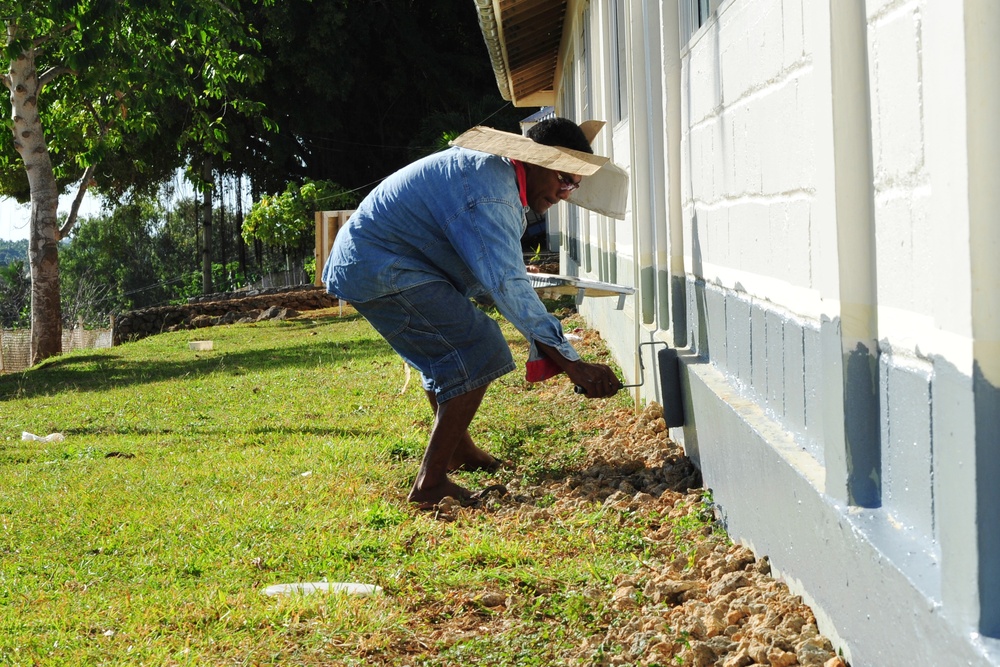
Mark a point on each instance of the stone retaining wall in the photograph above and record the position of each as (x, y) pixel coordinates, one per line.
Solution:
(224, 308)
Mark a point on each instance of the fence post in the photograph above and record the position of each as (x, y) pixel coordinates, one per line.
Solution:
(328, 223)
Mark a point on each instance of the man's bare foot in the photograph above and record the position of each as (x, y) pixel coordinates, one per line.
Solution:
(471, 500)
(427, 498)
(488, 465)
(467, 457)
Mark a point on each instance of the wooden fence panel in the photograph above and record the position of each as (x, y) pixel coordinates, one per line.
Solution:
(328, 223)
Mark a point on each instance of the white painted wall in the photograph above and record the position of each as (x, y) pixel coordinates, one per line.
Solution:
(909, 236)
(819, 178)
(749, 148)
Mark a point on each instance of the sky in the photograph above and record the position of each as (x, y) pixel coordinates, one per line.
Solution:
(13, 220)
(14, 216)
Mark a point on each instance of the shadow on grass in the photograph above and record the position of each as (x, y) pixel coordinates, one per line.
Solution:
(96, 372)
(252, 434)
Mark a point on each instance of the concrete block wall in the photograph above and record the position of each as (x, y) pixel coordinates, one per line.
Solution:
(836, 301)
(908, 283)
(773, 359)
(748, 143)
(768, 356)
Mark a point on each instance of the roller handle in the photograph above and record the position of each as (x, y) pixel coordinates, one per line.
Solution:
(577, 389)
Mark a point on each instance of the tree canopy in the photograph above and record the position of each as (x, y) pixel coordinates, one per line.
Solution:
(11, 251)
(283, 220)
(119, 94)
(93, 78)
(13, 294)
(359, 89)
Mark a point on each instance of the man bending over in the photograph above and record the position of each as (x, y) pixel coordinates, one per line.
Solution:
(427, 240)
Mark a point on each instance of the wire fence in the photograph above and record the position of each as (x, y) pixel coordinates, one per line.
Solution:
(15, 345)
(289, 278)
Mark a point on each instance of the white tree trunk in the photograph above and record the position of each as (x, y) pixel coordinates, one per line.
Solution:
(43, 255)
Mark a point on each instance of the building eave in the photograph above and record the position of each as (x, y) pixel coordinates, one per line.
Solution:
(523, 38)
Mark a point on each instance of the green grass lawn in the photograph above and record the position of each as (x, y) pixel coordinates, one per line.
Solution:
(190, 481)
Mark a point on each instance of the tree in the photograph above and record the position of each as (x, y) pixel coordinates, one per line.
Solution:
(287, 220)
(101, 76)
(107, 265)
(369, 77)
(11, 251)
(13, 294)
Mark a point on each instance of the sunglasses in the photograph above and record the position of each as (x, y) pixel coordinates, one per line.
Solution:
(566, 183)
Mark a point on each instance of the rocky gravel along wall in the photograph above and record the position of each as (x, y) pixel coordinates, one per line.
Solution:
(226, 308)
(696, 599)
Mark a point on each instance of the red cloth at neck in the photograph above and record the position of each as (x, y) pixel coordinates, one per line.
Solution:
(536, 370)
(522, 181)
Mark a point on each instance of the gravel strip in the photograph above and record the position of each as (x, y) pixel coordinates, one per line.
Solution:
(696, 599)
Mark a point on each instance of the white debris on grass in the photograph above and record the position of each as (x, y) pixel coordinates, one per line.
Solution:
(307, 588)
(51, 437)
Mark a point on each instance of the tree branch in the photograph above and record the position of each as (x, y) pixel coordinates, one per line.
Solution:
(42, 40)
(88, 174)
(53, 72)
(11, 24)
(225, 8)
(102, 127)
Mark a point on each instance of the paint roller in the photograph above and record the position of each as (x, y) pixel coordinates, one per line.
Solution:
(668, 366)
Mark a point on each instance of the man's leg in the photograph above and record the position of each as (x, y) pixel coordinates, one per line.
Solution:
(451, 424)
(467, 456)
(454, 345)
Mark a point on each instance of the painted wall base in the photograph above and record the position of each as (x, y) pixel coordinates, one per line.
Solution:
(770, 492)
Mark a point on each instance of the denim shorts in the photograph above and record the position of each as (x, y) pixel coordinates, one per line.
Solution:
(434, 328)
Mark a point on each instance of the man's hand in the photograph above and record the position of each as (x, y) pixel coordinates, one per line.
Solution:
(596, 380)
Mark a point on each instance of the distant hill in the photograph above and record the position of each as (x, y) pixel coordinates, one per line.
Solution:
(11, 251)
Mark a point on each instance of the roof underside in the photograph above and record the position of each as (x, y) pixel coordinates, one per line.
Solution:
(523, 38)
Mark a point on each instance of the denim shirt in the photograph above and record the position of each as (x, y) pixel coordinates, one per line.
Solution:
(454, 216)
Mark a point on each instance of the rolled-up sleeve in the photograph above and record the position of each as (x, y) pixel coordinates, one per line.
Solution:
(487, 237)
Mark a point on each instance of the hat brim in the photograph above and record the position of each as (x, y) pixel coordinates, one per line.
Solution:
(604, 192)
(518, 147)
(604, 188)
